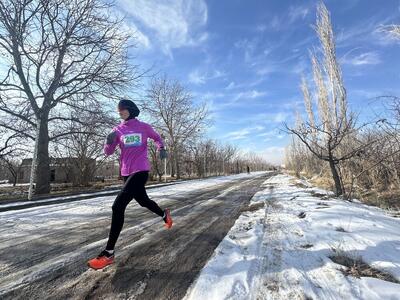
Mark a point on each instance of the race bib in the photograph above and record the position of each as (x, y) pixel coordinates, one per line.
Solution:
(132, 139)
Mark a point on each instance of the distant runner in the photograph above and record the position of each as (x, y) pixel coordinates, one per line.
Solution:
(131, 136)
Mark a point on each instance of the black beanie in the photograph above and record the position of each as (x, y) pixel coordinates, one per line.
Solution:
(130, 106)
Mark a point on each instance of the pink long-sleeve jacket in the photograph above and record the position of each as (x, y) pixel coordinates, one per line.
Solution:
(132, 138)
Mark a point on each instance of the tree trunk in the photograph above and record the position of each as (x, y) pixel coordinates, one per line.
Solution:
(43, 160)
(178, 169)
(336, 178)
(15, 178)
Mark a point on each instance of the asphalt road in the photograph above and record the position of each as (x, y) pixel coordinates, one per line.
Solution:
(151, 261)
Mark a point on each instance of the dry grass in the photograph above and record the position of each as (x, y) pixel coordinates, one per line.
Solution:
(323, 182)
(387, 199)
(299, 184)
(356, 267)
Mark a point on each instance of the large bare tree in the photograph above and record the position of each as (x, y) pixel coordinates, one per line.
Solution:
(55, 55)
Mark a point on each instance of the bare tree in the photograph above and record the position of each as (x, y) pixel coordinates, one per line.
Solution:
(173, 113)
(58, 54)
(8, 146)
(83, 148)
(331, 125)
(11, 148)
(156, 163)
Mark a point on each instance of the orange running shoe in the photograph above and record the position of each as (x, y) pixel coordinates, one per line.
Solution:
(102, 260)
(167, 219)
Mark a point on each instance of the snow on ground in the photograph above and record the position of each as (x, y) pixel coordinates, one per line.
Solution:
(29, 222)
(281, 250)
(6, 184)
(214, 180)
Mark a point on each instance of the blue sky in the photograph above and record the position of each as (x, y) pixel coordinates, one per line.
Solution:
(245, 58)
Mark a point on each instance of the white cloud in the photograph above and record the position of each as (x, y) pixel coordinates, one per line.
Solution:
(276, 23)
(261, 27)
(244, 85)
(294, 13)
(387, 34)
(210, 95)
(130, 28)
(266, 70)
(139, 36)
(238, 134)
(173, 23)
(368, 31)
(244, 133)
(297, 12)
(268, 135)
(368, 58)
(249, 46)
(274, 155)
(198, 77)
(249, 95)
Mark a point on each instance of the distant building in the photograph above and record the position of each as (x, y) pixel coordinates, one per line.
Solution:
(108, 169)
(4, 173)
(62, 170)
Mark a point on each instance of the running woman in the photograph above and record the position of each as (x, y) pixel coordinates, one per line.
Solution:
(131, 136)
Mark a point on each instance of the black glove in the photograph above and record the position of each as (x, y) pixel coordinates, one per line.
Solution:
(163, 153)
(111, 137)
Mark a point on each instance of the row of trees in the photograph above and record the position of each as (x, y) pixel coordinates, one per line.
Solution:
(203, 158)
(63, 64)
(353, 155)
(182, 124)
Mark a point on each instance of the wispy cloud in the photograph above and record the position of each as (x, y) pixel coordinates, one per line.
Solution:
(129, 27)
(244, 85)
(142, 40)
(387, 34)
(365, 31)
(244, 132)
(198, 77)
(172, 24)
(274, 155)
(367, 58)
(293, 14)
(231, 99)
(297, 12)
(249, 95)
(238, 134)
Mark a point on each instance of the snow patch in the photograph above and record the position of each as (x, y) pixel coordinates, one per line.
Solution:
(281, 250)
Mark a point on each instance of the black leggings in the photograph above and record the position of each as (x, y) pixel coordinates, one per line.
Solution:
(133, 188)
